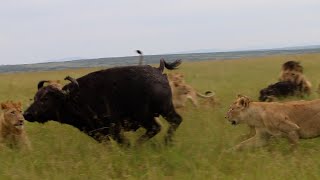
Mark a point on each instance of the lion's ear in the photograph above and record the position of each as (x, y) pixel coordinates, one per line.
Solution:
(4, 106)
(244, 102)
(239, 95)
(19, 105)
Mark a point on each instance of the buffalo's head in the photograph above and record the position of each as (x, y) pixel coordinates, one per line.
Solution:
(266, 93)
(48, 102)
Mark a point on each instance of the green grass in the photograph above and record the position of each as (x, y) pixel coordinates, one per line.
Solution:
(202, 142)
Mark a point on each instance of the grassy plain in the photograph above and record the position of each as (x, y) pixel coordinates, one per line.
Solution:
(201, 142)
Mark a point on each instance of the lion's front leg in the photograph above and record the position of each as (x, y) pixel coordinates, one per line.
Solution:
(247, 143)
(252, 131)
(260, 139)
(25, 143)
(293, 138)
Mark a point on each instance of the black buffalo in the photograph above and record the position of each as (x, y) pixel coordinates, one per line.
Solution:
(104, 102)
(279, 89)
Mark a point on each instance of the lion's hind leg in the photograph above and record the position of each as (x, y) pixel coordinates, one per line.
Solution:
(193, 98)
(289, 128)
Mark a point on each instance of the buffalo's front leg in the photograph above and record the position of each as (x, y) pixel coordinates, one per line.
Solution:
(174, 120)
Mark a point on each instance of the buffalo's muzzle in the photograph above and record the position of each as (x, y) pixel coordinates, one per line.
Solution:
(28, 116)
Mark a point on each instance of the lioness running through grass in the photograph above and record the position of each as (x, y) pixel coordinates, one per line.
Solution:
(181, 92)
(292, 120)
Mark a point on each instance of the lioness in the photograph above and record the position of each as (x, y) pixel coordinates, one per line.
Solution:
(292, 120)
(181, 92)
(12, 131)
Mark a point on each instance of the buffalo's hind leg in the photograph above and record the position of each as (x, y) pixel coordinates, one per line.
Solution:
(152, 127)
(174, 119)
(117, 135)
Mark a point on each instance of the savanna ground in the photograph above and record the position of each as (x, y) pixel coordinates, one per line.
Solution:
(202, 142)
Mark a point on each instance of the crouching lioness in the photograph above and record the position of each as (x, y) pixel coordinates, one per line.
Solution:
(12, 131)
(292, 120)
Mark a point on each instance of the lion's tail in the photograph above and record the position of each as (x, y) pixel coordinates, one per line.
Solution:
(207, 94)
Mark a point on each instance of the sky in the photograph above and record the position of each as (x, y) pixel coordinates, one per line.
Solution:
(33, 31)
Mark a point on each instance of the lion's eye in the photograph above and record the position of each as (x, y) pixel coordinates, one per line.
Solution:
(12, 112)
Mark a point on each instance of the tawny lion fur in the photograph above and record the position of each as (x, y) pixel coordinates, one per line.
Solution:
(181, 91)
(292, 71)
(292, 120)
(299, 79)
(56, 83)
(12, 131)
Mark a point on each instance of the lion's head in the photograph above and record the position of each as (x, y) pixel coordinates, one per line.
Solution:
(237, 109)
(181, 89)
(176, 77)
(292, 66)
(292, 76)
(12, 115)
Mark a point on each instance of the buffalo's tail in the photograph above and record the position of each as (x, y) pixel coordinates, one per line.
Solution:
(141, 57)
(170, 66)
(207, 94)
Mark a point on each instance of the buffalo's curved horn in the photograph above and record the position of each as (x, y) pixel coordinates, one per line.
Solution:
(40, 84)
(72, 80)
